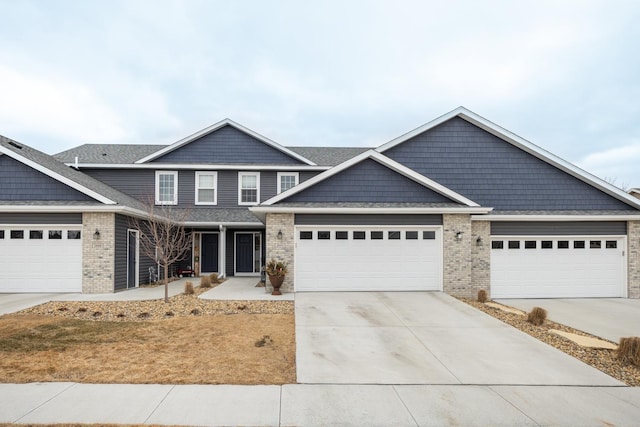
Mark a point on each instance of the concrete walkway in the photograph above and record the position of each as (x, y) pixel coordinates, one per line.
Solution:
(311, 405)
(608, 318)
(244, 288)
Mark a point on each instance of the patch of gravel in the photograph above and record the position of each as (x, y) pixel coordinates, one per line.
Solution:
(140, 311)
(603, 359)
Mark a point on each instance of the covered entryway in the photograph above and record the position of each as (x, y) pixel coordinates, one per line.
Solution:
(558, 267)
(41, 259)
(248, 251)
(371, 258)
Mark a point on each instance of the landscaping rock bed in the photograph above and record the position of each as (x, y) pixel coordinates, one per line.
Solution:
(603, 359)
(140, 311)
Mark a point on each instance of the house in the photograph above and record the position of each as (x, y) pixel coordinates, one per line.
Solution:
(456, 205)
(635, 192)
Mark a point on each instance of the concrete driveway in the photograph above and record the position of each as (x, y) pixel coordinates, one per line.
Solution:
(609, 318)
(421, 338)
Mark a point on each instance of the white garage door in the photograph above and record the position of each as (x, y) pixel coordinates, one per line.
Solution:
(553, 267)
(384, 258)
(40, 259)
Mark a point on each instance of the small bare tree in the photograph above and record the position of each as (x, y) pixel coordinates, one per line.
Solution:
(163, 237)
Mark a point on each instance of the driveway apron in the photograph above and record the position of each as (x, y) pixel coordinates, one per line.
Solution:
(421, 338)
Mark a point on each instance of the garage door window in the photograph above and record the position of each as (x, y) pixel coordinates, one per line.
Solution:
(411, 235)
(514, 244)
(530, 244)
(55, 234)
(428, 235)
(324, 235)
(578, 244)
(563, 244)
(359, 235)
(546, 244)
(17, 234)
(612, 244)
(35, 234)
(595, 244)
(497, 244)
(342, 235)
(394, 235)
(73, 234)
(306, 235)
(377, 235)
(1, 234)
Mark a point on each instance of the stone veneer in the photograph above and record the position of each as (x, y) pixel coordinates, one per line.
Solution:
(457, 256)
(281, 249)
(481, 256)
(633, 259)
(98, 256)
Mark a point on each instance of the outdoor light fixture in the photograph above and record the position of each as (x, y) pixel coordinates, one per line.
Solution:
(279, 234)
(459, 235)
(479, 241)
(96, 235)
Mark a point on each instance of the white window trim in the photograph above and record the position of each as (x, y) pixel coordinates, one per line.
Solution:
(215, 188)
(175, 187)
(296, 175)
(240, 175)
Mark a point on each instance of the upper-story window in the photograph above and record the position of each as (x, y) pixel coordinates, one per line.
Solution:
(206, 188)
(248, 188)
(166, 187)
(286, 180)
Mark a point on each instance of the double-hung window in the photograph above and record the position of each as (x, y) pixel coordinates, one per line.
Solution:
(286, 180)
(248, 188)
(166, 188)
(206, 186)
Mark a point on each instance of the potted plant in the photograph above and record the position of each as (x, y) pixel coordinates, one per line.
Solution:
(276, 270)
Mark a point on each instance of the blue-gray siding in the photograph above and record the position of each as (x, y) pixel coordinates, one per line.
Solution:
(227, 145)
(41, 218)
(21, 182)
(558, 228)
(139, 183)
(369, 181)
(494, 173)
(374, 219)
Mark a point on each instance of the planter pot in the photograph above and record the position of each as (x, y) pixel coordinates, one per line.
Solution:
(276, 282)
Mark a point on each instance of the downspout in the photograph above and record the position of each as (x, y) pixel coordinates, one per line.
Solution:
(223, 256)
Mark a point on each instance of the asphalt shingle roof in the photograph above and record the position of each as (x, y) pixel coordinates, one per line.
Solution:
(329, 156)
(108, 153)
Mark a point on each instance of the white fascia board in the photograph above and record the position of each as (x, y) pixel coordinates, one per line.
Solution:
(224, 224)
(71, 209)
(521, 143)
(563, 218)
(337, 210)
(385, 161)
(57, 177)
(204, 166)
(217, 126)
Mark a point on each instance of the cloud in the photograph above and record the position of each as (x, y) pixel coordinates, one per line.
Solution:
(619, 165)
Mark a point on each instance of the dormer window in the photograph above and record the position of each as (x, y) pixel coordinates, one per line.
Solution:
(248, 188)
(166, 188)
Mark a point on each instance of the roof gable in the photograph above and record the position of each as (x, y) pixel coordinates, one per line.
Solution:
(496, 168)
(370, 177)
(226, 142)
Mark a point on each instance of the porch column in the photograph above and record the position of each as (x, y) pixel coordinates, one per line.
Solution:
(222, 242)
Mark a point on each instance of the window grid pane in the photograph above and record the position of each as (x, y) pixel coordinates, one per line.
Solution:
(166, 188)
(287, 181)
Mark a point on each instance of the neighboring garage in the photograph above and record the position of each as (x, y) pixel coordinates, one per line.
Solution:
(379, 256)
(41, 258)
(558, 260)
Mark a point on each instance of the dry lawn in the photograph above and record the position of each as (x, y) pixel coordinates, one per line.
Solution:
(207, 349)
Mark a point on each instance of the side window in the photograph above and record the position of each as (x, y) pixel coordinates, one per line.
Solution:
(286, 180)
(166, 188)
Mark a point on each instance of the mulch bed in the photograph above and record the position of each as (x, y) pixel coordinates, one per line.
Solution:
(603, 359)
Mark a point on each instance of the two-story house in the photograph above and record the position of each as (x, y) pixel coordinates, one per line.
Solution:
(458, 204)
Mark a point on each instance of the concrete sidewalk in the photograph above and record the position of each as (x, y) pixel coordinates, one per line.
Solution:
(296, 404)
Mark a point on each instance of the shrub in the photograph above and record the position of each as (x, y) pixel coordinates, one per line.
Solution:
(629, 350)
(188, 288)
(214, 278)
(482, 296)
(205, 282)
(537, 316)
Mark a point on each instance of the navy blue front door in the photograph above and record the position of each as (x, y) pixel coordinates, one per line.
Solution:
(244, 253)
(209, 253)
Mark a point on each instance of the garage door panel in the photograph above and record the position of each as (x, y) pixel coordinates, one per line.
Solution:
(558, 272)
(40, 265)
(367, 265)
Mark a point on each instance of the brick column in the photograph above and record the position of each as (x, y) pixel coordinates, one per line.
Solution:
(633, 259)
(480, 256)
(457, 255)
(98, 255)
(281, 249)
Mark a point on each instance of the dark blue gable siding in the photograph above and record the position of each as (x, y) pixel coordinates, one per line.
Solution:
(227, 145)
(369, 181)
(494, 173)
(21, 182)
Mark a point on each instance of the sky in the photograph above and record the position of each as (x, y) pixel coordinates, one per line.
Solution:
(564, 75)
